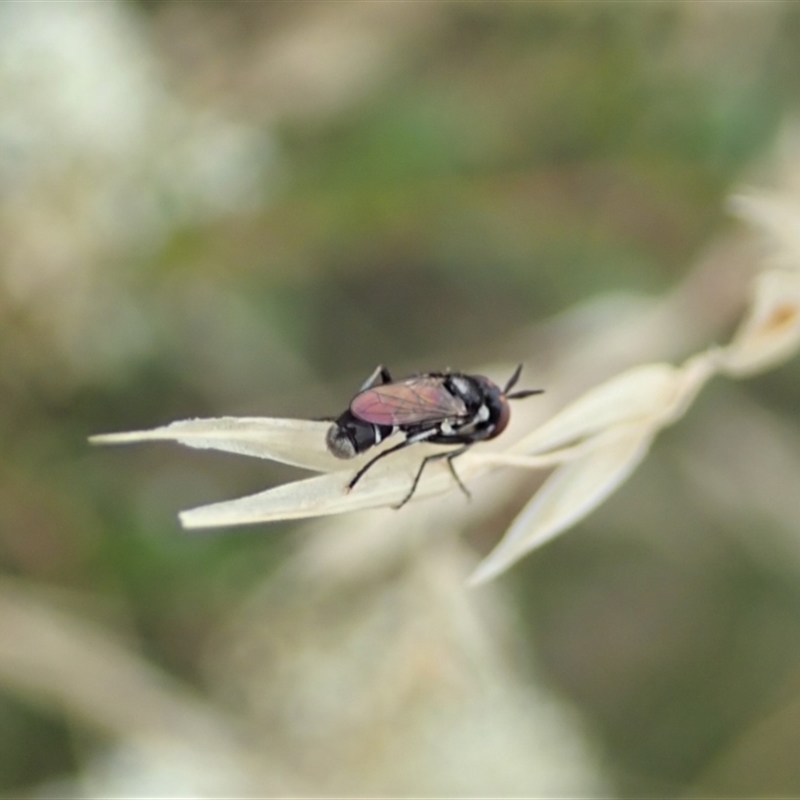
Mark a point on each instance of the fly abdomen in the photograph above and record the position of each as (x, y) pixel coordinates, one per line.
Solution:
(339, 443)
(349, 436)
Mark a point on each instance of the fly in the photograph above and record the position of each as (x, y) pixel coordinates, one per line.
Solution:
(447, 408)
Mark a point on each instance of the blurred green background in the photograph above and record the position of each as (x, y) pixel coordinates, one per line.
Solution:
(216, 209)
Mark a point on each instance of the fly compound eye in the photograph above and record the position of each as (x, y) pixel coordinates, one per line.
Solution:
(503, 417)
(339, 443)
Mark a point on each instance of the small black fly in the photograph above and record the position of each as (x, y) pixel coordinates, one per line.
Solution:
(448, 408)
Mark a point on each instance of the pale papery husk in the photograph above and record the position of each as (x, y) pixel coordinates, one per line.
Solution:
(595, 443)
(567, 496)
(770, 333)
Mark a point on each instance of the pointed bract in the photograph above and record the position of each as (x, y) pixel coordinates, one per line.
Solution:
(636, 395)
(770, 334)
(776, 215)
(385, 485)
(567, 496)
(298, 442)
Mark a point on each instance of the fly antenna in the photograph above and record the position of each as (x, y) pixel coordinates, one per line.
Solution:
(513, 379)
(523, 393)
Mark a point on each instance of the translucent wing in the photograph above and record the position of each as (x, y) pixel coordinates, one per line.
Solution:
(416, 400)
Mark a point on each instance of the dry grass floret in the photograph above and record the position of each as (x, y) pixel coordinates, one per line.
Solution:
(594, 443)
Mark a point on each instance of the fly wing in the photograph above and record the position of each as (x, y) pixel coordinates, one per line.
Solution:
(410, 402)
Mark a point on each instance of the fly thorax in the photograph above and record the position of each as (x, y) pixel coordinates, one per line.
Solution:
(483, 413)
(466, 388)
(462, 386)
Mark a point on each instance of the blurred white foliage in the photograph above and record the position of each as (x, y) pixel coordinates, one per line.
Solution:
(388, 679)
(313, 63)
(164, 739)
(157, 767)
(98, 162)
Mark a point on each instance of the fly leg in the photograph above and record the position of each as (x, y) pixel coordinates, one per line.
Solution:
(360, 474)
(417, 437)
(450, 457)
(437, 457)
(379, 376)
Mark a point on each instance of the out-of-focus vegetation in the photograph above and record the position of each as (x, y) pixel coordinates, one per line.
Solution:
(239, 209)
